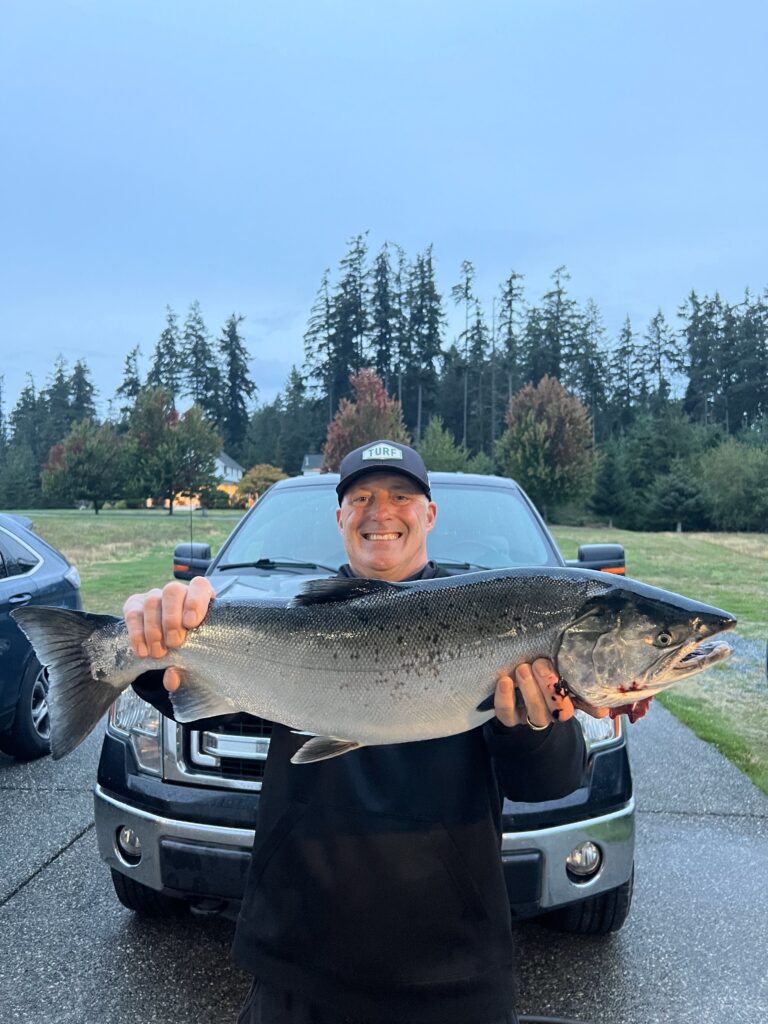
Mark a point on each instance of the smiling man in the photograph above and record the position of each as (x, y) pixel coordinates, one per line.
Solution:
(376, 891)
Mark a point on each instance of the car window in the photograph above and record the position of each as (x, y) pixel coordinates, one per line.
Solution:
(489, 527)
(15, 558)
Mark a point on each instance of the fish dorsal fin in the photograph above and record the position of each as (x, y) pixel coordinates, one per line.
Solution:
(320, 748)
(343, 589)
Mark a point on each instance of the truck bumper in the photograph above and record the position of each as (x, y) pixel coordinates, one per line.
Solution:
(535, 862)
(203, 862)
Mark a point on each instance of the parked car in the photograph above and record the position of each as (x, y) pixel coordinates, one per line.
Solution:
(176, 805)
(31, 572)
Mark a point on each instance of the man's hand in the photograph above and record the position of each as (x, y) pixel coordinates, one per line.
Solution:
(160, 619)
(543, 696)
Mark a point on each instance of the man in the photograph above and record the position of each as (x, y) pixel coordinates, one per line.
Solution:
(376, 890)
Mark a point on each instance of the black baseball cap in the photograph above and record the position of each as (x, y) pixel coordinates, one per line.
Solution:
(383, 457)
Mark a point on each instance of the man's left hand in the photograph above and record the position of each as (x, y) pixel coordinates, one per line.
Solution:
(543, 695)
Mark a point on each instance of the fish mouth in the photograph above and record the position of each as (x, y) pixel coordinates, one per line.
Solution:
(696, 657)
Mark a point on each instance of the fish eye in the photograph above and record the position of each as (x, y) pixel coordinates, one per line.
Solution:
(663, 639)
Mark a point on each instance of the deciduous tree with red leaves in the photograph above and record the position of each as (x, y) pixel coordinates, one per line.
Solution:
(372, 416)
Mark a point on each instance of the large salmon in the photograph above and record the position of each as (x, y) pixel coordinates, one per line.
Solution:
(358, 662)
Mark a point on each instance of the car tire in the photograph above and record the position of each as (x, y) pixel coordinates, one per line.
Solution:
(144, 901)
(597, 915)
(30, 735)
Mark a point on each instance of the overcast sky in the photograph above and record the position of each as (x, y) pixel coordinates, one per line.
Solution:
(159, 152)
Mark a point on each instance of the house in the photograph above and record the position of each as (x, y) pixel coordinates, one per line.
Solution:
(311, 464)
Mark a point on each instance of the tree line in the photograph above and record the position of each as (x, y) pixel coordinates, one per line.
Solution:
(665, 403)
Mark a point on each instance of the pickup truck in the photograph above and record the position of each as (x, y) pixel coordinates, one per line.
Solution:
(176, 805)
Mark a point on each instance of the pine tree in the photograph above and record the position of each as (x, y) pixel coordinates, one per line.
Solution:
(236, 387)
(477, 392)
(611, 495)
(401, 337)
(55, 400)
(510, 328)
(302, 427)
(559, 318)
(662, 358)
(3, 426)
(166, 368)
(82, 394)
(627, 377)
(349, 318)
(201, 376)
(318, 344)
(439, 450)
(425, 320)
(463, 292)
(382, 317)
(130, 385)
(584, 360)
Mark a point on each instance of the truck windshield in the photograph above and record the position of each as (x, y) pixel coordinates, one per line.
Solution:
(476, 528)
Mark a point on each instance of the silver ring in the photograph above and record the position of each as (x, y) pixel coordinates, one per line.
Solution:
(536, 728)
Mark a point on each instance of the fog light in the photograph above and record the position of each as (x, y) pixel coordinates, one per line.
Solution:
(128, 845)
(583, 861)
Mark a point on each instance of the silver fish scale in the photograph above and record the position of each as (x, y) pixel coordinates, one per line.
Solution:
(401, 664)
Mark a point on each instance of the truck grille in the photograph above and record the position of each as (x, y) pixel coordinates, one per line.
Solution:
(231, 755)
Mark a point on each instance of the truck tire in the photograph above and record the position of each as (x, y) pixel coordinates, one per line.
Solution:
(145, 901)
(597, 915)
(30, 735)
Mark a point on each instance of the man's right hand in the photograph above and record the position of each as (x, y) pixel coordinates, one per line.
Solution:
(160, 619)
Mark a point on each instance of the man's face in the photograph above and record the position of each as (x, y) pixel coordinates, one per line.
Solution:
(384, 520)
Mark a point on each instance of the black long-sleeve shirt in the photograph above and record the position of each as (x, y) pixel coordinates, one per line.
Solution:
(376, 884)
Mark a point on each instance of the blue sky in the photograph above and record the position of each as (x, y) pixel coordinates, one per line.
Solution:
(160, 152)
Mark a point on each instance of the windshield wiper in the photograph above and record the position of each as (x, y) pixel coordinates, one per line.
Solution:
(459, 565)
(276, 563)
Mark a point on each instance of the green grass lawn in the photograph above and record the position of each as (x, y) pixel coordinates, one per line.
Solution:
(122, 553)
(119, 553)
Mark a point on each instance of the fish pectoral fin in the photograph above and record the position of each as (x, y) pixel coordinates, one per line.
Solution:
(196, 698)
(321, 748)
(488, 704)
(342, 589)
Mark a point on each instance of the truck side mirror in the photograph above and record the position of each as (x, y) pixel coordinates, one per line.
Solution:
(191, 560)
(604, 557)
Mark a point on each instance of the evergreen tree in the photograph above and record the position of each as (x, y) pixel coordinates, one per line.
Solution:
(628, 387)
(439, 450)
(451, 392)
(3, 427)
(748, 400)
(611, 495)
(130, 385)
(401, 336)
(675, 501)
(583, 363)
(477, 391)
(166, 370)
(26, 420)
(201, 373)
(236, 388)
(382, 318)
(559, 324)
(262, 442)
(425, 320)
(349, 319)
(463, 293)
(511, 320)
(82, 393)
(662, 358)
(318, 344)
(55, 404)
(302, 426)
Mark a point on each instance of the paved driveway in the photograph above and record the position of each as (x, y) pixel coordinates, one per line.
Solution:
(693, 951)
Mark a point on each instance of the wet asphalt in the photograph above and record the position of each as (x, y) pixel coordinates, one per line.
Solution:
(692, 951)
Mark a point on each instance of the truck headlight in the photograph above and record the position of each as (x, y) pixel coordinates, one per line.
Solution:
(132, 719)
(599, 732)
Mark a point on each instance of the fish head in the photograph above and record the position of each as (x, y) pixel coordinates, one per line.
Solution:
(633, 641)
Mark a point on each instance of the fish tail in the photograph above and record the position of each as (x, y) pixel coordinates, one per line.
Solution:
(76, 698)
